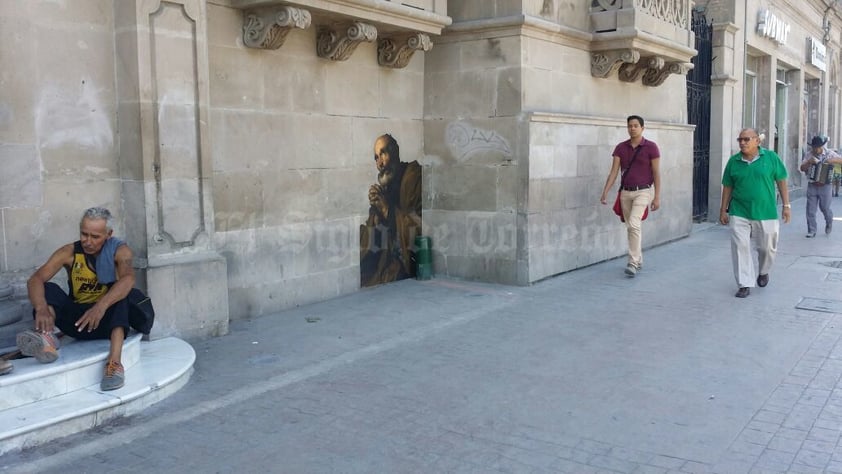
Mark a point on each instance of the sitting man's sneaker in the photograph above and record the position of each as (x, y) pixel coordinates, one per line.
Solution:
(42, 346)
(631, 271)
(6, 366)
(114, 376)
(810, 235)
(743, 292)
(762, 280)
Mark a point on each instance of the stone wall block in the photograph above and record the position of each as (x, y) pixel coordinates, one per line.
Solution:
(510, 92)
(21, 185)
(130, 157)
(546, 194)
(238, 200)
(510, 188)
(359, 74)
(452, 194)
(444, 57)
(491, 235)
(348, 191)
(250, 140)
(541, 91)
(398, 94)
(446, 95)
(190, 299)
(297, 195)
(17, 110)
(132, 216)
(318, 142)
(295, 85)
(95, 14)
(446, 230)
(235, 84)
(541, 162)
(588, 161)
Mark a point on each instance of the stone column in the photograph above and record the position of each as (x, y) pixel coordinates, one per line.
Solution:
(725, 109)
(162, 76)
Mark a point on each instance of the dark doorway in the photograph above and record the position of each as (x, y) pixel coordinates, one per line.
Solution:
(698, 112)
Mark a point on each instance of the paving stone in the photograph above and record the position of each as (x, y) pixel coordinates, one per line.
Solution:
(812, 458)
(786, 445)
(818, 446)
(667, 462)
(769, 416)
(772, 459)
(823, 434)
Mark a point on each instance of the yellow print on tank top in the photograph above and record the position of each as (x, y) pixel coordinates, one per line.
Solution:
(83, 281)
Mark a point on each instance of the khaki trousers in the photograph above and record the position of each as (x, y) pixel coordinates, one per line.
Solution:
(633, 204)
(765, 236)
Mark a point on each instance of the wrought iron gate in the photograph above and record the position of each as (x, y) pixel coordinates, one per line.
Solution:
(698, 112)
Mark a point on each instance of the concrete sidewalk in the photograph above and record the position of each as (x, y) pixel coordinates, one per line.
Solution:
(585, 372)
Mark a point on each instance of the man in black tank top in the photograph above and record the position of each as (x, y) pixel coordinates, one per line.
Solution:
(100, 276)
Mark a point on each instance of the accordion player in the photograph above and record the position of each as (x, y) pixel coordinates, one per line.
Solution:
(821, 172)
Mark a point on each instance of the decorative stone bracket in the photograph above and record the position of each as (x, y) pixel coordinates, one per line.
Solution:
(630, 66)
(396, 52)
(654, 76)
(339, 46)
(268, 28)
(604, 63)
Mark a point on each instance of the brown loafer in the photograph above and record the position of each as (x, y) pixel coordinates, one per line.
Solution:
(743, 292)
(762, 280)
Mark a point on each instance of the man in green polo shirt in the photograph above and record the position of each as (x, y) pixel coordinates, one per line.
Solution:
(750, 206)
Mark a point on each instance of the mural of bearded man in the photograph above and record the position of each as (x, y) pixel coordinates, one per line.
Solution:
(387, 239)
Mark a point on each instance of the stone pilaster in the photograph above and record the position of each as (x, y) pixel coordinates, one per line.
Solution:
(165, 162)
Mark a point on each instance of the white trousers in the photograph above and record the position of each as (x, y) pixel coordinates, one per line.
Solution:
(765, 236)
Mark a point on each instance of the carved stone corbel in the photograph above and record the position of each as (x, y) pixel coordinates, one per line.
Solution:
(631, 72)
(339, 46)
(396, 52)
(604, 63)
(655, 77)
(267, 29)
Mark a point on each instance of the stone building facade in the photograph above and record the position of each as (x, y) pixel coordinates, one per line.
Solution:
(776, 68)
(233, 138)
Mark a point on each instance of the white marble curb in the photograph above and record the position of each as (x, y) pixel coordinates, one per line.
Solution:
(158, 369)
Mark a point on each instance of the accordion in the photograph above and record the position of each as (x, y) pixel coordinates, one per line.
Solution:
(820, 173)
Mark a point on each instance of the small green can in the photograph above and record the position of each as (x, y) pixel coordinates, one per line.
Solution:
(423, 257)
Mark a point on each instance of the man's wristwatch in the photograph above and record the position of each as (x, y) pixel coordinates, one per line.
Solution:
(787, 205)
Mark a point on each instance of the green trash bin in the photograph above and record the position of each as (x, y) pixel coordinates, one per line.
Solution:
(423, 257)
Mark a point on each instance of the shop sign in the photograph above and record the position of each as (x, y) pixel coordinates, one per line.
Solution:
(818, 54)
(770, 26)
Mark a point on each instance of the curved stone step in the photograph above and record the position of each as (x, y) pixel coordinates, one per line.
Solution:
(79, 365)
(160, 369)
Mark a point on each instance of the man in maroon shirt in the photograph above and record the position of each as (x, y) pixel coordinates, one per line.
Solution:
(636, 160)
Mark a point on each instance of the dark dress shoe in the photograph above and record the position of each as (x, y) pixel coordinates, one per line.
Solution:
(743, 292)
(762, 280)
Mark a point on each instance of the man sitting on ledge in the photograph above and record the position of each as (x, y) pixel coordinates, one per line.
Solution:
(99, 276)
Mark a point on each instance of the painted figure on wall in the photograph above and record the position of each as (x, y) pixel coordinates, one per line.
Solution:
(387, 238)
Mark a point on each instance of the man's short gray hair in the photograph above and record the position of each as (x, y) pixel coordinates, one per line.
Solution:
(99, 213)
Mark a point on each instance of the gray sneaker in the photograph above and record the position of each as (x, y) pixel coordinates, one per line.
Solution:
(114, 376)
(631, 271)
(42, 346)
(6, 366)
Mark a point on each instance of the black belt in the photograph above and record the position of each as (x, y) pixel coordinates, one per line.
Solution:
(637, 188)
